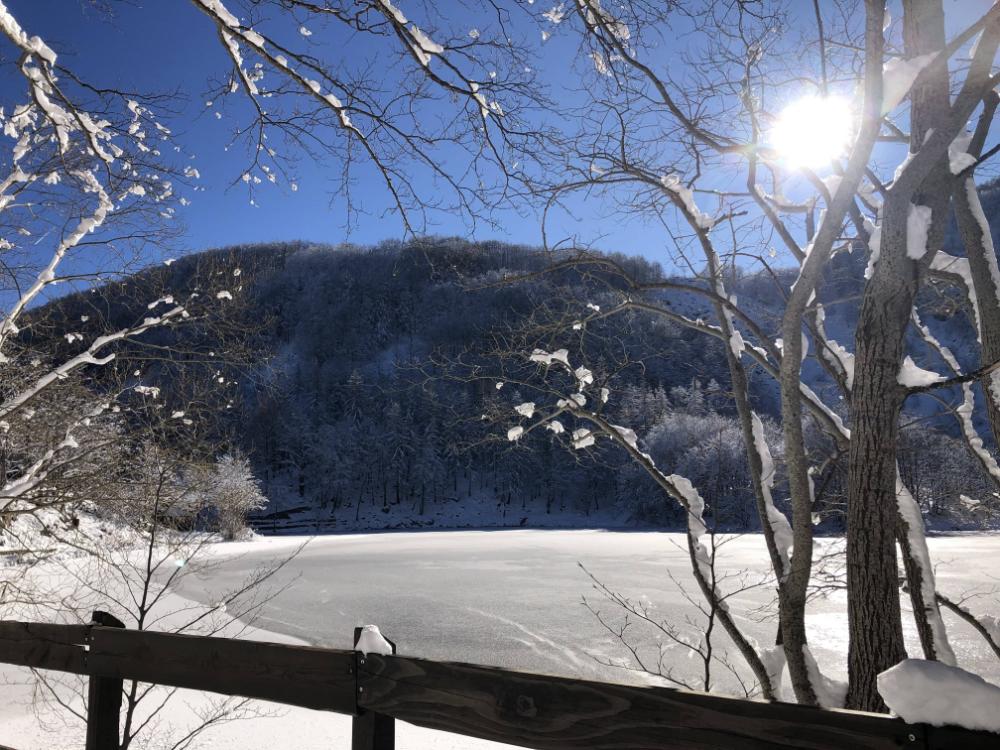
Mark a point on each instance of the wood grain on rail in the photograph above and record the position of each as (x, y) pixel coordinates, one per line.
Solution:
(297, 675)
(549, 713)
(44, 646)
(516, 708)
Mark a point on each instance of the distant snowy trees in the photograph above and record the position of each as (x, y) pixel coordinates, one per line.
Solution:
(360, 423)
(362, 418)
(157, 485)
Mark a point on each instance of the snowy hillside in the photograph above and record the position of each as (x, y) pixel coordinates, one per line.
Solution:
(363, 384)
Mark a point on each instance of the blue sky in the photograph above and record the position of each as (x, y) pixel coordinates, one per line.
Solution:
(163, 45)
(167, 45)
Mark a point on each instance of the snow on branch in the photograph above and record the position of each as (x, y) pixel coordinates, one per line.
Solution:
(678, 487)
(90, 356)
(898, 77)
(47, 276)
(780, 528)
(959, 267)
(91, 167)
(391, 126)
(834, 353)
(912, 376)
(684, 196)
(34, 475)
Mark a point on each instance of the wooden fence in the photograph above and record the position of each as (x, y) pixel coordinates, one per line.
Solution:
(517, 708)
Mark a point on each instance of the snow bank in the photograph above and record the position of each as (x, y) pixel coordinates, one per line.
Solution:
(930, 692)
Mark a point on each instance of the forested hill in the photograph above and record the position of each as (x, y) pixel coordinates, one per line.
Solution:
(365, 375)
(357, 423)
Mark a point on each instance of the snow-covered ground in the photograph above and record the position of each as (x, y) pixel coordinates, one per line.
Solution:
(509, 598)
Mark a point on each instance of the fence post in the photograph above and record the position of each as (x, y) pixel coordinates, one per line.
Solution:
(370, 731)
(104, 700)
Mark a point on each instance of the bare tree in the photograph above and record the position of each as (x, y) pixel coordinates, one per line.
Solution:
(693, 637)
(149, 531)
(86, 186)
(90, 176)
(666, 136)
(412, 99)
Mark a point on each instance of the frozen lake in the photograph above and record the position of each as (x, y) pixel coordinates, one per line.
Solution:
(512, 598)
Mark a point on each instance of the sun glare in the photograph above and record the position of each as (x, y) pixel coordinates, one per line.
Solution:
(812, 131)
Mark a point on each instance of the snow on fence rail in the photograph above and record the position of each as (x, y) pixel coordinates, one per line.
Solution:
(528, 710)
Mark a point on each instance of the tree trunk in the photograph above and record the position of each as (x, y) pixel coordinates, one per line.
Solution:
(876, 633)
(875, 625)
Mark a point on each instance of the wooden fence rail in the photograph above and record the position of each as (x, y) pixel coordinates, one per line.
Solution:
(517, 708)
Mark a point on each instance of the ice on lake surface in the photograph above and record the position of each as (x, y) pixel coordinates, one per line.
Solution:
(512, 598)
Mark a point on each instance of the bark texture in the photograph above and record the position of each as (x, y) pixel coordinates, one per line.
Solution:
(874, 614)
(876, 630)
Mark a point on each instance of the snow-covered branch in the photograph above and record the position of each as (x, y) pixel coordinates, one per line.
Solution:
(342, 109)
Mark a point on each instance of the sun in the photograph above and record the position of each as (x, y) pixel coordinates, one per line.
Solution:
(812, 131)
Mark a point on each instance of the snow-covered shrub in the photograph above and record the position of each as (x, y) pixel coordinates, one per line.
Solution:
(233, 493)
